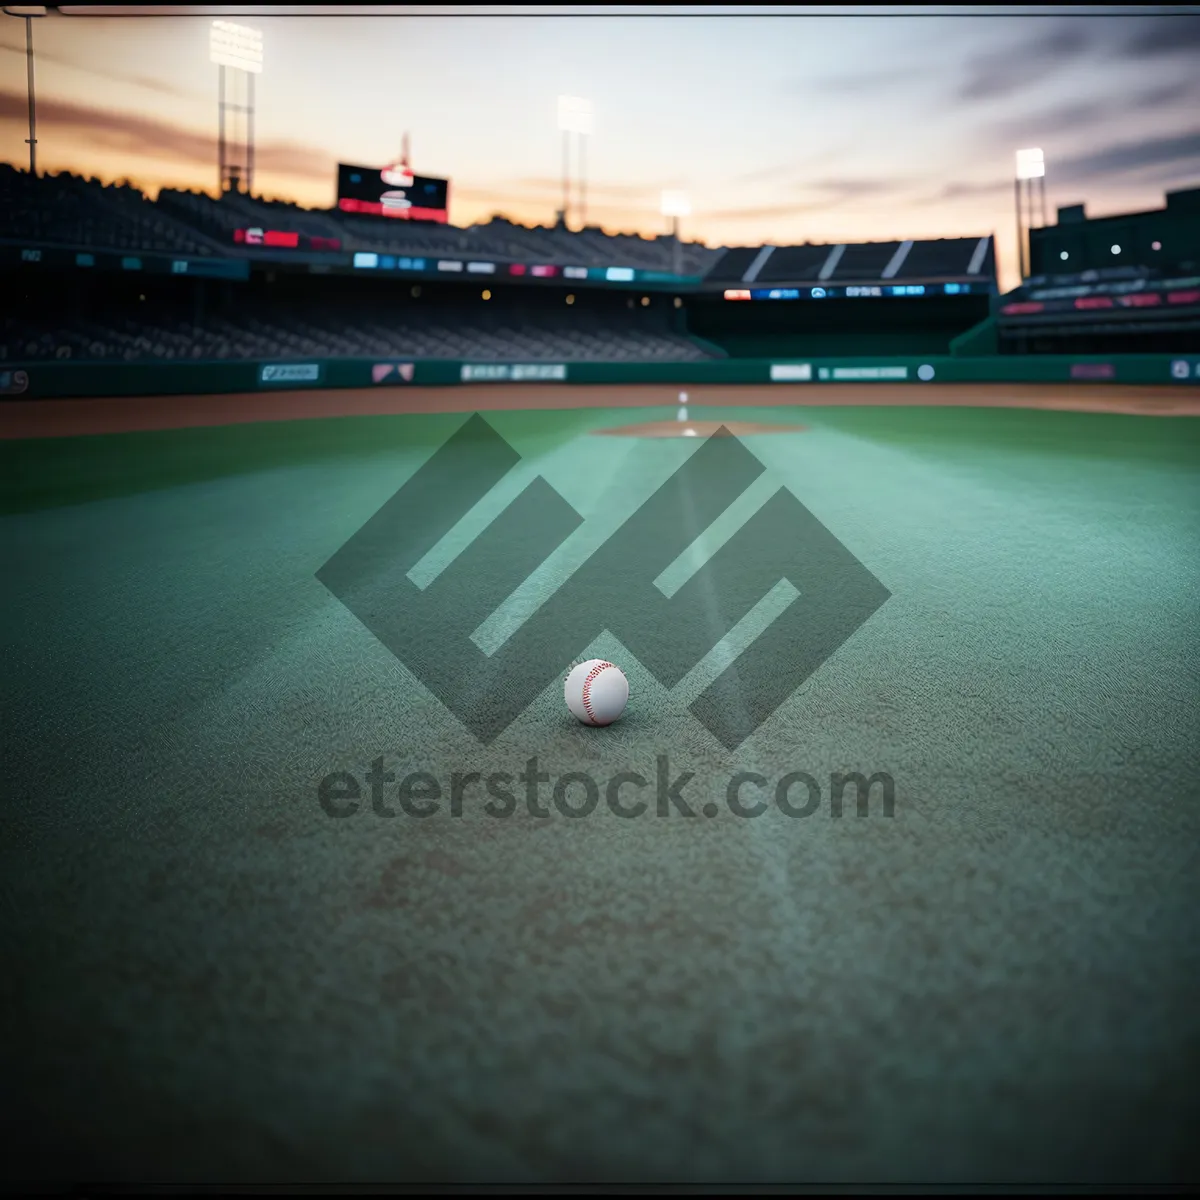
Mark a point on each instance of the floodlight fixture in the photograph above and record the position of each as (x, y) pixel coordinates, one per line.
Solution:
(240, 49)
(574, 115)
(236, 46)
(1031, 164)
(676, 204)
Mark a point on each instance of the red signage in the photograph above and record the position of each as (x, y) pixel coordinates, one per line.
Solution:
(379, 209)
(281, 239)
(382, 372)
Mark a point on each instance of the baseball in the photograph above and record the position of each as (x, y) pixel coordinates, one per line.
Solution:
(596, 692)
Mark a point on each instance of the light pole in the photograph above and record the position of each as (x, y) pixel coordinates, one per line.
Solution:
(1031, 165)
(574, 117)
(676, 205)
(30, 13)
(241, 50)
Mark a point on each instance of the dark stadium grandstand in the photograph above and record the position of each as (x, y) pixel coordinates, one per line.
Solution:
(66, 210)
(964, 259)
(926, 325)
(906, 297)
(1165, 239)
(298, 282)
(167, 320)
(1133, 284)
(222, 219)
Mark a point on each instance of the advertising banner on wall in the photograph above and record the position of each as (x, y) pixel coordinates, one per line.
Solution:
(393, 372)
(791, 372)
(284, 373)
(862, 374)
(13, 383)
(514, 373)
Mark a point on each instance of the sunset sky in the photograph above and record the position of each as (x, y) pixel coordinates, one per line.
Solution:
(780, 128)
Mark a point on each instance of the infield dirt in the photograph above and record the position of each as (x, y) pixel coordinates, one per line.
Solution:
(74, 418)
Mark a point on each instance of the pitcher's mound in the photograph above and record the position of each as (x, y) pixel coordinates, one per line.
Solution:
(696, 429)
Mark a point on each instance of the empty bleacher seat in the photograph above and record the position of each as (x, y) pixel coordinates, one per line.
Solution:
(794, 264)
(356, 329)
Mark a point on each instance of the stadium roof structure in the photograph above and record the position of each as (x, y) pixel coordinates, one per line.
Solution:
(868, 263)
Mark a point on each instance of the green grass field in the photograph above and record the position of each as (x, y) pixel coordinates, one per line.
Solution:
(216, 979)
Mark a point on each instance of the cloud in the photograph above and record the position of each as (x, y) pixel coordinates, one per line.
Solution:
(1179, 176)
(863, 81)
(1157, 37)
(138, 81)
(1168, 93)
(822, 195)
(544, 187)
(973, 191)
(1051, 123)
(845, 188)
(789, 172)
(147, 137)
(1036, 128)
(769, 174)
(764, 212)
(1170, 158)
(1176, 153)
(1004, 72)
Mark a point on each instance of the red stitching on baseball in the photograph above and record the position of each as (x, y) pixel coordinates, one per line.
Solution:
(587, 687)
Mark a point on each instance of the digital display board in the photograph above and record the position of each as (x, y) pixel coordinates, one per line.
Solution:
(853, 291)
(392, 192)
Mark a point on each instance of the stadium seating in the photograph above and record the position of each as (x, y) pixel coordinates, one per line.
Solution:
(349, 330)
(69, 211)
(1127, 309)
(217, 220)
(732, 265)
(952, 257)
(947, 258)
(66, 210)
(1086, 282)
(788, 263)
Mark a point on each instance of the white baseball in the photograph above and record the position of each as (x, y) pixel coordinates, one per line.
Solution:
(596, 692)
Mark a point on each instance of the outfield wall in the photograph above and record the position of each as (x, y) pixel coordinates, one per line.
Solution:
(77, 379)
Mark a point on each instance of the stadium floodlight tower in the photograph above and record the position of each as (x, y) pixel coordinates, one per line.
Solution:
(574, 117)
(1031, 169)
(239, 50)
(676, 205)
(29, 13)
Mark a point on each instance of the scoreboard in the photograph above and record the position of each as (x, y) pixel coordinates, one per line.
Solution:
(855, 291)
(392, 192)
